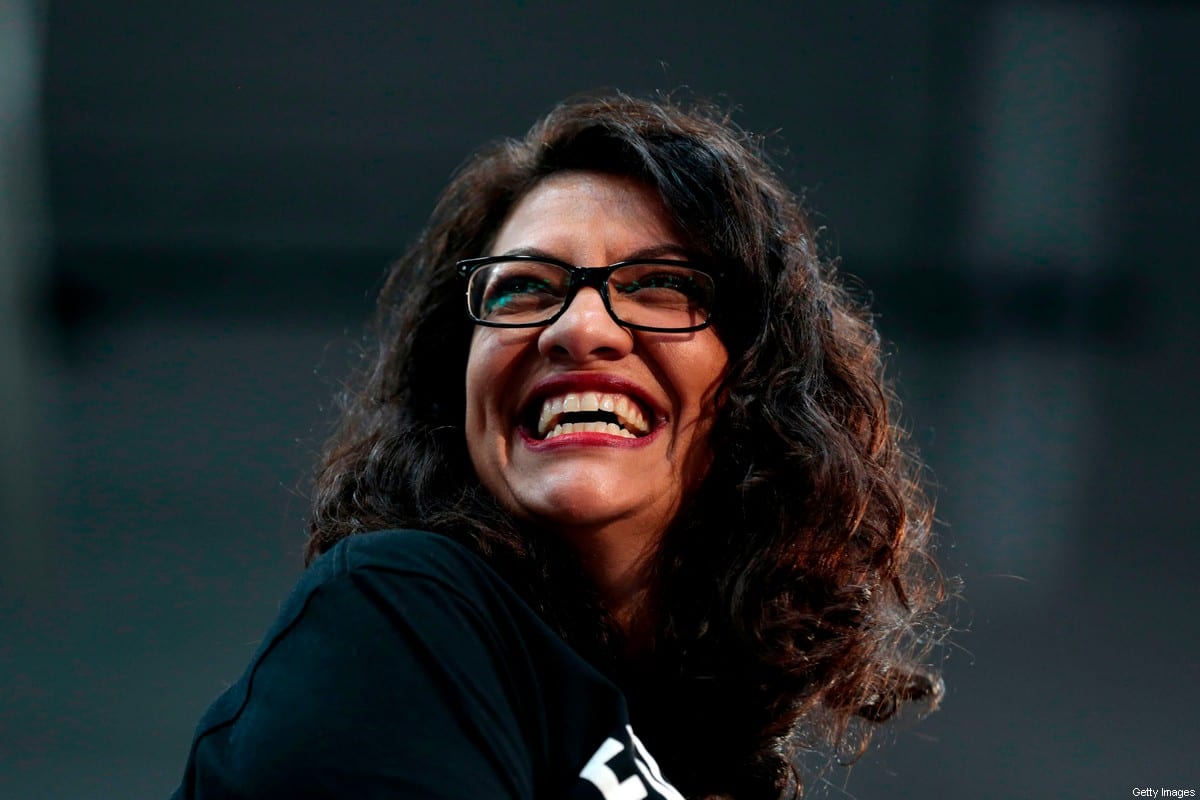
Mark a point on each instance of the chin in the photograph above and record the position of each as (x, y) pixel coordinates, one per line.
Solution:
(570, 505)
(578, 502)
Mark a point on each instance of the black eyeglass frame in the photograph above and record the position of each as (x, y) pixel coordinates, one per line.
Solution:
(580, 277)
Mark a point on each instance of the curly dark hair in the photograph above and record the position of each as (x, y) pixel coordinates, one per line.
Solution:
(792, 597)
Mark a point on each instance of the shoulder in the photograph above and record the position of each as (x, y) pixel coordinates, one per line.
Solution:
(399, 548)
(403, 665)
(419, 581)
(403, 553)
(395, 668)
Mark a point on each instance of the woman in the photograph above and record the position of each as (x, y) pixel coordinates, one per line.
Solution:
(655, 450)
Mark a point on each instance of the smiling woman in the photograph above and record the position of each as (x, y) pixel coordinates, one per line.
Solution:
(621, 459)
(612, 494)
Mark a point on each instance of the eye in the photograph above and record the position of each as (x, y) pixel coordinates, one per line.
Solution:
(511, 291)
(668, 285)
(659, 280)
(517, 292)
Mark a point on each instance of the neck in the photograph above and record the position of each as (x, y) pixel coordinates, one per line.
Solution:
(618, 563)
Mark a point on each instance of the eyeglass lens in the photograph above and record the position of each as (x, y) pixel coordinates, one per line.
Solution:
(654, 295)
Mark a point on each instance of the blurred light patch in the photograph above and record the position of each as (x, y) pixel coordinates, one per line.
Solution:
(22, 268)
(1049, 98)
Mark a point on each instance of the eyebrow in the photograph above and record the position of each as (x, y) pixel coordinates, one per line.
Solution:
(653, 251)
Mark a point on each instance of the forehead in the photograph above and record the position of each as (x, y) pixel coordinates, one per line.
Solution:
(583, 215)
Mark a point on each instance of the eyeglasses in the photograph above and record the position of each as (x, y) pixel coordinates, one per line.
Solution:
(528, 291)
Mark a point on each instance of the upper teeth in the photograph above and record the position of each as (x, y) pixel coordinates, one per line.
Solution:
(627, 411)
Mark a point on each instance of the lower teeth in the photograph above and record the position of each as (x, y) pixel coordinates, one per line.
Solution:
(610, 428)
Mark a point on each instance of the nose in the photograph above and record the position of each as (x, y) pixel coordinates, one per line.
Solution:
(585, 332)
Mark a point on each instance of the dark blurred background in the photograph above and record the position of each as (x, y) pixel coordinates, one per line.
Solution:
(198, 200)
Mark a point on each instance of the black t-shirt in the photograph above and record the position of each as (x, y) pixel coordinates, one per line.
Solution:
(403, 666)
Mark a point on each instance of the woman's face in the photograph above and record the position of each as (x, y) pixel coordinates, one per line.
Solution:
(518, 378)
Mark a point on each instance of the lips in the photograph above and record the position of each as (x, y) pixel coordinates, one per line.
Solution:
(591, 404)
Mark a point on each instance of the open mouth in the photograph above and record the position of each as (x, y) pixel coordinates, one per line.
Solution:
(610, 413)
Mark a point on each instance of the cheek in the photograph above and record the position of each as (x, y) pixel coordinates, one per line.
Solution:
(475, 423)
(479, 384)
(698, 385)
(491, 367)
(699, 392)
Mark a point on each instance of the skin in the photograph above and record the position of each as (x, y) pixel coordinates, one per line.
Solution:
(612, 501)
